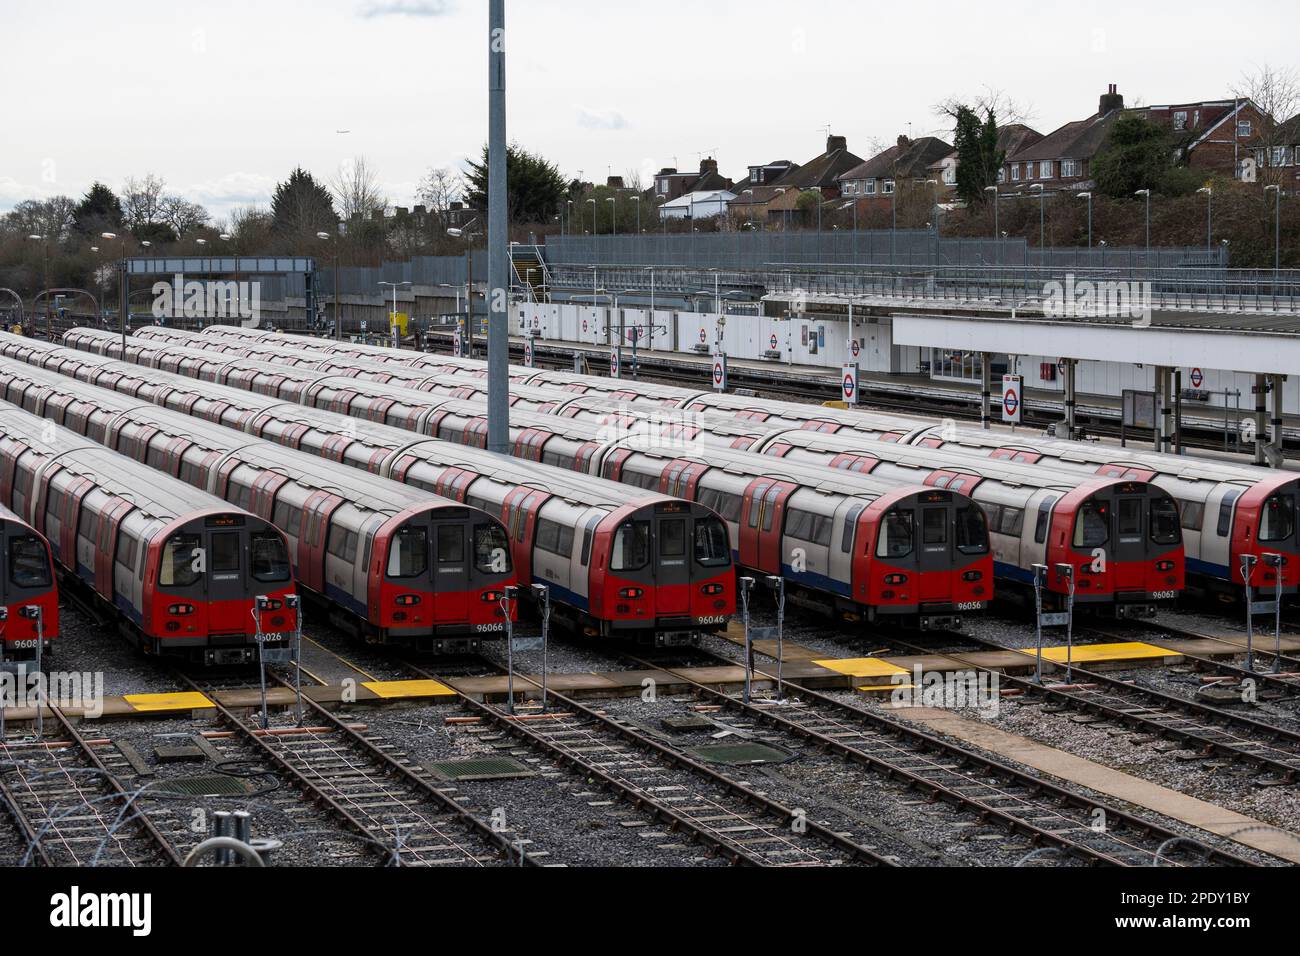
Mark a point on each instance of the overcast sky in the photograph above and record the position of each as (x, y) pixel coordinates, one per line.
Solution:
(223, 99)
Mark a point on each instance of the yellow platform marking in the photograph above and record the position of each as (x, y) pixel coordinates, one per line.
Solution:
(863, 667)
(163, 703)
(397, 689)
(1103, 652)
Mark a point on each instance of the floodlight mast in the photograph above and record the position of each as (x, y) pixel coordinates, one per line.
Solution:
(498, 238)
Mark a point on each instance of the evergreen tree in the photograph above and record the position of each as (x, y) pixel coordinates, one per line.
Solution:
(978, 156)
(99, 211)
(302, 207)
(535, 188)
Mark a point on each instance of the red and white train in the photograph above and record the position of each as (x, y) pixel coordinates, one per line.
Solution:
(1227, 511)
(618, 561)
(1121, 537)
(26, 582)
(860, 546)
(181, 570)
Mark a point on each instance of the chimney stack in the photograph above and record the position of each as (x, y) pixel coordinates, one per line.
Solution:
(1110, 100)
(834, 143)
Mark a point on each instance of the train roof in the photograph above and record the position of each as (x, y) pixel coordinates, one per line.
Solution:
(155, 494)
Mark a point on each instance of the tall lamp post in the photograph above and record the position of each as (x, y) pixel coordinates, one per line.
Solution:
(1147, 194)
(1088, 196)
(1209, 217)
(498, 237)
(124, 304)
(1042, 215)
(994, 191)
(613, 213)
(45, 268)
(1277, 229)
(338, 311)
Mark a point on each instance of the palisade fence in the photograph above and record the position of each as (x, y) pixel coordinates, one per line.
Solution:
(763, 252)
(865, 248)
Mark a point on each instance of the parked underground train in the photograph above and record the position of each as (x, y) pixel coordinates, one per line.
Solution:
(26, 582)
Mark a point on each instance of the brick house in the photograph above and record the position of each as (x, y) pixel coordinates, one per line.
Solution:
(777, 198)
(669, 184)
(871, 184)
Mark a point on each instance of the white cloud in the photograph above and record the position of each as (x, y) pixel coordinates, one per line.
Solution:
(406, 8)
(601, 119)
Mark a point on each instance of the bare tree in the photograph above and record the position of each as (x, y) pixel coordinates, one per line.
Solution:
(52, 218)
(1275, 91)
(356, 190)
(439, 188)
(182, 215)
(142, 201)
(1008, 111)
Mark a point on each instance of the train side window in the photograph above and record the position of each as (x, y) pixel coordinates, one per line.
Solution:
(587, 535)
(850, 529)
(1225, 513)
(769, 507)
(29, 565)
(756, 505)
(631, 547)
(1044, 520)
(126, 551)
(1192, 514)
(993, 514)
(88, 525)
(1278, 522)
(897, 535)
(972, 530)
(180, 568)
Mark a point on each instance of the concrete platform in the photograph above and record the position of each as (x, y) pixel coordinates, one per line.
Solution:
(1113, 783)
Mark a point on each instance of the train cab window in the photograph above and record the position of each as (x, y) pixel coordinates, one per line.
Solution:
(491, 549)
(451, 544)
(1166, 528)
(1044, 520)
(934, 526)
(270, 558)
(1225, 513)
(1278, 522)
(712, 547)
(972, 531)
(1092, 527)
(631, 547)
(408, 557)
(180, 564)
(897, 535)
(29, 565)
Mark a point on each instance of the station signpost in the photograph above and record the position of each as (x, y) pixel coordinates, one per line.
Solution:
(850, 384)
(1013, 399)
(616, 362)
(720, 372)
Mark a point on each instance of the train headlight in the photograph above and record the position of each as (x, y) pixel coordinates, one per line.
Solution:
(408, 600)
(631, 594)
(491, 597)
(181, 610)
(1164, 567)
(896, 580)
(712, 589)
(973, 576)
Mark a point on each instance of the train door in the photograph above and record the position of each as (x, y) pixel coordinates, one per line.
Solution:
(934, 546)
(843, 537)
(1129, 540)
(451, 571)
(226, 575)
(109, 523)
(771, 527)
(311, 541)
(672, 538)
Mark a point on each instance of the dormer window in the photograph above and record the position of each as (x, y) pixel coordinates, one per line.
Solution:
(1180, 120)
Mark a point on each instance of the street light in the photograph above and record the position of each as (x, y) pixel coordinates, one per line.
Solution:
(1277, 229)
(1147, 194)
(613, 213)
(935, 184)
(124, 293)
(338, 313)
(45, 268)
(392, 325)
(994, 191)
(1209, 217)
(1088, 196)
(1042, 215)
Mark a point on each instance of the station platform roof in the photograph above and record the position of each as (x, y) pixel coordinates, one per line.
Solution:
(1266, 345)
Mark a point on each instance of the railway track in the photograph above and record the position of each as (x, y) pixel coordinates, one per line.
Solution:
(68, 802)
(677, 791)
(1000, 795)
(401, 815)
(1207, 730)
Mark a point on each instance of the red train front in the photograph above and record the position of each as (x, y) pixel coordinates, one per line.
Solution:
(27, 578)
(202, 577)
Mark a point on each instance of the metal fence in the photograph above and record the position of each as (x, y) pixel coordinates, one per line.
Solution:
(846, 248)
(422, 270)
